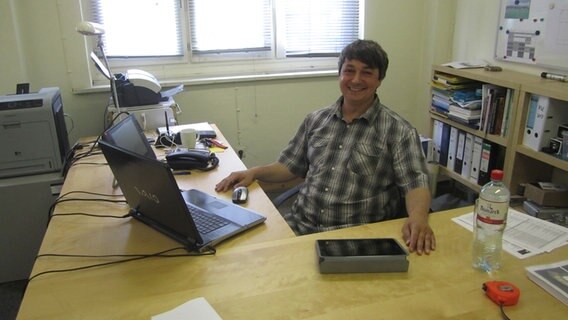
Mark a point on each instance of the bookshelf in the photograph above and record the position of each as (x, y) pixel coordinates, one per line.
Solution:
(528, 165)
(520, 163)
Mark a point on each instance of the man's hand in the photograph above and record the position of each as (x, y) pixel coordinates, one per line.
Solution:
(234, 180)
(418, 235)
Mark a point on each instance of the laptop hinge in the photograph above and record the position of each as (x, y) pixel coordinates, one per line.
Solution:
(133, 212)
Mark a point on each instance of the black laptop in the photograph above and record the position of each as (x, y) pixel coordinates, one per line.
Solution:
(194, 218)
(127, 134)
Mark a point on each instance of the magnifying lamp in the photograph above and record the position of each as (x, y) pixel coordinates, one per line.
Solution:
(88, 28)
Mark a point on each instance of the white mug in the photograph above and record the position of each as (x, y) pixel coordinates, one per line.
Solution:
(188, 138)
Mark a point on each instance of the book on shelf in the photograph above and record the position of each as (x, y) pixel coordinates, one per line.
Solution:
(440, 103)
(493, 99)
(472, 122)
(449, 79)
(473, 113)
(551, 277)
(470, 105)
(467, 95)
(498, 114)
(505, 123)
(459, 86)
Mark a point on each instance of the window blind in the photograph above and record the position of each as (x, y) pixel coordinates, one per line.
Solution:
(140, 28)
(219, 26)
(319, 27)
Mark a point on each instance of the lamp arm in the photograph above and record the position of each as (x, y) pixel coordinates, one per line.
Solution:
(100, 44)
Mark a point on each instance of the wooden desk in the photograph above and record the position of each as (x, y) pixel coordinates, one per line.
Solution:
(266, 273)
(279, 279)
(116, 235)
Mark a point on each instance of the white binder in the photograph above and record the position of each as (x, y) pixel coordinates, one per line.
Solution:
(467, 155)
(437, 137)
(475, 159)
(452, 148)
(544, 117)
(460, 152)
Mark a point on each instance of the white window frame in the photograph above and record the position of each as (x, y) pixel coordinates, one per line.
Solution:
(186, 70)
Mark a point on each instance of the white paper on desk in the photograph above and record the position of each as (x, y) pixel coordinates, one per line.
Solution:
(198, 126)
(525, 236)
(196, 309)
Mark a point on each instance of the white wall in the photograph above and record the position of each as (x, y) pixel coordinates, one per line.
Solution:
(258, 117)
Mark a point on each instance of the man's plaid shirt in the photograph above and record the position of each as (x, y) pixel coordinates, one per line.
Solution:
(354, 173)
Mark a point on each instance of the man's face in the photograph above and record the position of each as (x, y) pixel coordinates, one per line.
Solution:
(358, 82)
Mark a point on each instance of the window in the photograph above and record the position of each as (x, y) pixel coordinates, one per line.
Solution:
(240, 26)
(319, 27)
(188, 35)
(129, 32)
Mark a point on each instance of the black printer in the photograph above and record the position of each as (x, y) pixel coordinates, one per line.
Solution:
(140, 88)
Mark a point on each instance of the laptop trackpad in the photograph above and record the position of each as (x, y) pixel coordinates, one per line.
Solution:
(220, 207)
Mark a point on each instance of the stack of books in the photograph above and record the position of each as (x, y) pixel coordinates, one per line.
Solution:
(448, 90)
(465, 107)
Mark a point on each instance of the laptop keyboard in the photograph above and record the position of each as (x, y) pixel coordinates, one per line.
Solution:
(206, 222)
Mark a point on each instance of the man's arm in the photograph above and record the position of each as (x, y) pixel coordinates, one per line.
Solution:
(274, 172)
(416, 231)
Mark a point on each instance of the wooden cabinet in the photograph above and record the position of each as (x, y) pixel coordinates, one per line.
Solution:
(520, 163)
(526, 164)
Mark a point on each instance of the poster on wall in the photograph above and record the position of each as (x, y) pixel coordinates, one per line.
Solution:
(533, 32)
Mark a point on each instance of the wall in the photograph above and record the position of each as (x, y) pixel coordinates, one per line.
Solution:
(258, 117)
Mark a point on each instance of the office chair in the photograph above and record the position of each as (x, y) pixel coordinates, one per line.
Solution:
(284, 196)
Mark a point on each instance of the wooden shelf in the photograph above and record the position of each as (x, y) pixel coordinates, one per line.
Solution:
(521, 164)
(457, 177)
(549, 159)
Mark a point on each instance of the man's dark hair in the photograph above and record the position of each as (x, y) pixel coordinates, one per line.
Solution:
(367, 51)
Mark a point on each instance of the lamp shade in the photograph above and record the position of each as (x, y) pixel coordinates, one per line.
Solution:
(88, 28)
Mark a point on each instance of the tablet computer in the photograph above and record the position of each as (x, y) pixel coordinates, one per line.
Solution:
(361, 255)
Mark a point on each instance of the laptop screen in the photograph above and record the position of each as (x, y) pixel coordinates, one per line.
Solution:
(127, 134)
(152, 192)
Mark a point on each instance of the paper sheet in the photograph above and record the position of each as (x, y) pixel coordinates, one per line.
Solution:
(196, 309)
(525, 236)
(466, 64)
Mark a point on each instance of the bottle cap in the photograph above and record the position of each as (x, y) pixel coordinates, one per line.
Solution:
(497, 175)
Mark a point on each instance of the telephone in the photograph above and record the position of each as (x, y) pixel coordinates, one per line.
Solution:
(192, 159)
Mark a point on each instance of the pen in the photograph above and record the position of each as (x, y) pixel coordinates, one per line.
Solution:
(554, 76)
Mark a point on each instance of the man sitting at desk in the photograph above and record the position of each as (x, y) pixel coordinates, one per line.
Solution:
(361, 161)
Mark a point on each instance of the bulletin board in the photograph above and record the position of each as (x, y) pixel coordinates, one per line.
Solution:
(533, 32)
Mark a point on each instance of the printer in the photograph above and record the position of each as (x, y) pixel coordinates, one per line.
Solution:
(140, 93)
(33, 135)
(139, 88)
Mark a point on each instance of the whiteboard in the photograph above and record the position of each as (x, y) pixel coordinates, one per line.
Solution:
(533, 32)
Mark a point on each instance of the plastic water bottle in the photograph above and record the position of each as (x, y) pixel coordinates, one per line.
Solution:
(489, 220)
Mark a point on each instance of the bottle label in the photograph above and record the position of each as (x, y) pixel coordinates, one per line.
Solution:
(491, 212)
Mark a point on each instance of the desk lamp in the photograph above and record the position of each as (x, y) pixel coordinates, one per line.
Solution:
(88, 28)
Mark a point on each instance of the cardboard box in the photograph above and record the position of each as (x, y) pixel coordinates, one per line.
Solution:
(553, 197)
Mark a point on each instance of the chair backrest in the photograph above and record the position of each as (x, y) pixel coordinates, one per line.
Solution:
(280, 199)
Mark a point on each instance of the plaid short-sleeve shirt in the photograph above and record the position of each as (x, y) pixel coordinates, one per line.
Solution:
(356, 172)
